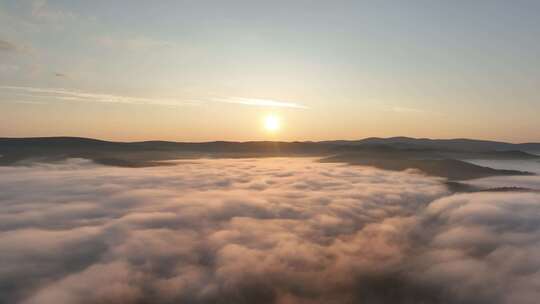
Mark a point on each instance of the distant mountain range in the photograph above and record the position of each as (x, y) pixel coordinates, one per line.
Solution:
(439, 157)
(458, 144)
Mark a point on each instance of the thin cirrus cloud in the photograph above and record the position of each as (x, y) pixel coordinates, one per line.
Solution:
(69, 95)
(261, 102)
(407, 110)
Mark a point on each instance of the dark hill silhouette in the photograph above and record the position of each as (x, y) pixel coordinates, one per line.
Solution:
(459, 144)
(435, 157)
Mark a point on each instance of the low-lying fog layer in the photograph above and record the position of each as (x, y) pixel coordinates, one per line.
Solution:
(260, 231)
(530, 182)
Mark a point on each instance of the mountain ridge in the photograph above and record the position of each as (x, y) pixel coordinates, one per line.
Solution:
(393, 139)
(444, 158)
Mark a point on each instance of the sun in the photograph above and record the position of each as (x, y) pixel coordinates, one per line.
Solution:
(272, 123)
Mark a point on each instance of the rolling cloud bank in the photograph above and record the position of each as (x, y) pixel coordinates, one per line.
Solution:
(279, 230)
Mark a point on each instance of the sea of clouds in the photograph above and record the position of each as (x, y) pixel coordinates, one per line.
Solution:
(277, 230)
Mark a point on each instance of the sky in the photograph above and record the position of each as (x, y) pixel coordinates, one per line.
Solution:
(213, 70)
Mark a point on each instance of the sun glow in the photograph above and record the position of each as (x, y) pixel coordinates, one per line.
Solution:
(272, 123)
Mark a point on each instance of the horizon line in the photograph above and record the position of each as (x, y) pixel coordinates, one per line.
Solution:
(254, 141)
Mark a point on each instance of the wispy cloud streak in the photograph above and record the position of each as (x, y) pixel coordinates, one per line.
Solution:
(407, 110)
(261, 102)
(63, 94)
(71, 95)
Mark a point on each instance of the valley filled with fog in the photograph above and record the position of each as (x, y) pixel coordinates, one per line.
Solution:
(265, 230)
